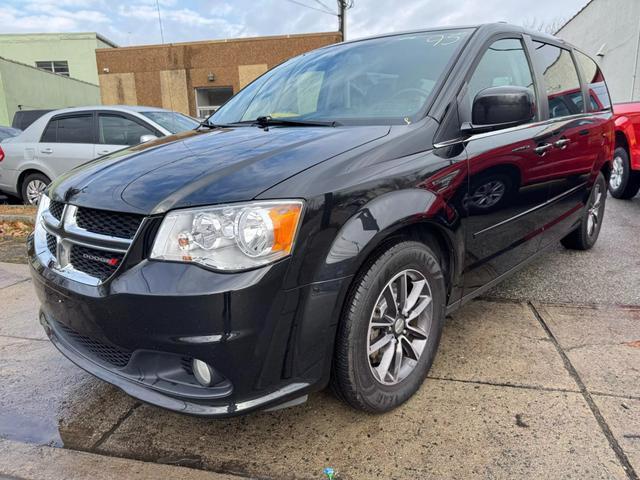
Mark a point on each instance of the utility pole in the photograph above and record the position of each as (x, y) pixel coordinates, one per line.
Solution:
(342, 18)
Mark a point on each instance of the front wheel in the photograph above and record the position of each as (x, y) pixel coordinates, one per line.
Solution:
(586, 234)
(624, 182)
(390, 328)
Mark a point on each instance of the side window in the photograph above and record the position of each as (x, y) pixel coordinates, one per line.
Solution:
(561, 79)
(503, 64)
(75, 129)
(118, 130)
(49, 135)
(598, 94)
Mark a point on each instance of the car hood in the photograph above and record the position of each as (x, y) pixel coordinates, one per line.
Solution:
(201, 168)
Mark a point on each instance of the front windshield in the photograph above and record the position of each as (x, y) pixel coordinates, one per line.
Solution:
(172, 121)
(383, 80)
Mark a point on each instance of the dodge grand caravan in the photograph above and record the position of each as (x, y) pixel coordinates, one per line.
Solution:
(319, 226)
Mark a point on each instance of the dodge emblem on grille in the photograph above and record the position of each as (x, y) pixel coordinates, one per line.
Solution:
(96, 258)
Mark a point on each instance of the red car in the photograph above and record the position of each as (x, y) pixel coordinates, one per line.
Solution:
(625, 172)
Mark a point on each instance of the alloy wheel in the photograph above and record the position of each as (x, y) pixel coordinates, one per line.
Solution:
(399, 327)
(35, 189)
(617, 171)
(593, 215)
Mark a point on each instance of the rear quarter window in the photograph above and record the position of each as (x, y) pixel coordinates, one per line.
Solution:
(598, 93)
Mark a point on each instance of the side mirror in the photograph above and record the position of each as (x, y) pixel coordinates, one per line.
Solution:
(500, 107)
(147, 138)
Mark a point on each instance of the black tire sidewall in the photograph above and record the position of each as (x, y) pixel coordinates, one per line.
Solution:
(407, 255)
(626, 174)
(591, 240)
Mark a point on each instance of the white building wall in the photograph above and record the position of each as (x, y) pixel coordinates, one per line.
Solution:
(611, 27)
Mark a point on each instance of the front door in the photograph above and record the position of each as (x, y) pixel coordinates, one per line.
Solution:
(117, 131)
(504, 222)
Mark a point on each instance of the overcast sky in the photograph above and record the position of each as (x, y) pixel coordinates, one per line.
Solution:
(130, 22)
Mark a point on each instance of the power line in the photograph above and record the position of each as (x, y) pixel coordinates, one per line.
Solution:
(328, 12)
(323, 4)
(160, 21)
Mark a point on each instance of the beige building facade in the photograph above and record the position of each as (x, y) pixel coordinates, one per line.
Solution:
(195, 78)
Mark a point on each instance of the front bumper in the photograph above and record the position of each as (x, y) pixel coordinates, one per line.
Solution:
(140, 331)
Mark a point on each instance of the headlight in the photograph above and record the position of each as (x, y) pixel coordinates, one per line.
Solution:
(229, 237)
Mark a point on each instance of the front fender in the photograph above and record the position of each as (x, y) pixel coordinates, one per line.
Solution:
(624, 125)
(376, 220)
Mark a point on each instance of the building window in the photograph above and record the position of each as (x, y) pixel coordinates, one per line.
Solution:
(208, 100)
(60, 67)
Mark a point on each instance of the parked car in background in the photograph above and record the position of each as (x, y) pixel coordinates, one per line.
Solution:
(6, 132)
(625, 174)
(323, 222)
(23, 118)
(63, 139)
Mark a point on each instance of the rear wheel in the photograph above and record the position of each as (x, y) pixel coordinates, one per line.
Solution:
(390, 328)
(624, 182)
(33, 187)
(585, 236)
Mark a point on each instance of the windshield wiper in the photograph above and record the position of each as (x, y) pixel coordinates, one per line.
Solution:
(268, 121)
(211, 126)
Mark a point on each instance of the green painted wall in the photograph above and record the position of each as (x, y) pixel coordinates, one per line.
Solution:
(24, 85)
(78, 49)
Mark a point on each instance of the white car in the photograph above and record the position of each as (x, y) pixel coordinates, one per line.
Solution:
(63, 139)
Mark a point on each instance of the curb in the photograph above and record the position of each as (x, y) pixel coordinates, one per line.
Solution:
(17, 218)
(34, 462)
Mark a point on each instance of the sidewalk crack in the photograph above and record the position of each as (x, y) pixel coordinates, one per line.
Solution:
(105, 436)
(604, 426)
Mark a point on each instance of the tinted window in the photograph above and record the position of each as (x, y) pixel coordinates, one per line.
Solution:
(561, 79)
(383, 80)
(118, 130)
(598, 93)
(50, 132)
(504, 63)
(75, 129)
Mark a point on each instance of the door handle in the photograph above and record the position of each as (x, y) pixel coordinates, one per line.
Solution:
(542, 149)
(46, 150)
(103, 152)
(562, 143)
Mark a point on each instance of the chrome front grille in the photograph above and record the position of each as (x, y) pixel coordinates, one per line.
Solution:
(84, 244)
(92, 261)
(56, 208)
(122, 225)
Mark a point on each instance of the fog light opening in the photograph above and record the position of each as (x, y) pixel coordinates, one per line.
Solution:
(203, 372)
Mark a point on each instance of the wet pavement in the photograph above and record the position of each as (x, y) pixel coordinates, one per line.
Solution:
(536, 380)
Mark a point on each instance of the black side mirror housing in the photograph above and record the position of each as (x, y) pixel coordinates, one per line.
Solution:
(500, 107)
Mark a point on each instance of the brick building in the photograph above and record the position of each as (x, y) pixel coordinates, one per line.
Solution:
(196, 77)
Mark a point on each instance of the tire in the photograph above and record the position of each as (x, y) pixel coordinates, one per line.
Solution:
(354, 379)
(488, 193)
(32, 183)
(624, 182)
(586, 235)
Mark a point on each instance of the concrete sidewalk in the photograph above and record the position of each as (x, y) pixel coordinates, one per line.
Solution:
(545, 388)
(517, 391)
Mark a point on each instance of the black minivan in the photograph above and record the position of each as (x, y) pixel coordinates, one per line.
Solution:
(320, 225)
